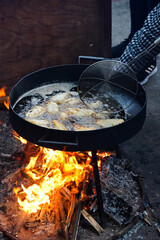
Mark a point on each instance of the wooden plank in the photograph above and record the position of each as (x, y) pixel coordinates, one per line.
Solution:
(37, 34)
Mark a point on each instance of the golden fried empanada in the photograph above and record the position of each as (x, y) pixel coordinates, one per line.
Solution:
(80, 112)
(35, 111)
(60, 97)
(40, 122)
(82, 128)
(52, 107)
(59, 125)
(109, 122)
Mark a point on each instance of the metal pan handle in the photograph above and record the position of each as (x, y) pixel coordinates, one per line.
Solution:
(45, 139)
(91, 58)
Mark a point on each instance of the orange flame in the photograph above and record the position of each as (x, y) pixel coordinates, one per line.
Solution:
(6, 103)
(101, 156)
(51, 170)
(3, 94)
(2, 91)
(21, 139)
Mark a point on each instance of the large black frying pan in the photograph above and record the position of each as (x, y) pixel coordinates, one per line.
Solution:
(73, 140)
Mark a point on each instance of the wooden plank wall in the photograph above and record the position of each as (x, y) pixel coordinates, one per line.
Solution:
(39, 33)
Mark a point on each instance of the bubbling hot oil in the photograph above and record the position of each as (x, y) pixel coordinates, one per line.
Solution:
(72, 113)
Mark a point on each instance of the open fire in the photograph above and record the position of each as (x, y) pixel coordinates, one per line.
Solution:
(52, 184)
(51, 171)
(51, 191)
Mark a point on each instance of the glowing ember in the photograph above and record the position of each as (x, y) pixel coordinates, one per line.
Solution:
(51, 171)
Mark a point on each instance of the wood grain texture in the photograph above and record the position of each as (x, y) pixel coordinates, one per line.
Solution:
(35, 34)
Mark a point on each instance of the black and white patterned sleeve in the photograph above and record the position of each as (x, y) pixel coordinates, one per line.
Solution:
(142, 40)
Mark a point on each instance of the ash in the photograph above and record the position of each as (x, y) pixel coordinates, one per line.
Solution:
(116, 177)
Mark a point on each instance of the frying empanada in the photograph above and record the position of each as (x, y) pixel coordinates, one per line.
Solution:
(40, 122)
(109, 122)
(82, 128)
(60, 97)
(63, 116)
(52, 107)
(72, 101)
(59, 125)
(35, 111)
(80, 112)
(95, 105)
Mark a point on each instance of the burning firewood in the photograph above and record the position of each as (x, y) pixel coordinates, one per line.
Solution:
(63, 220)
(66, 193)
(85, 183)
(79, 207)
(57, 216)
(71, 209)
(57, 220)
(73, 231)
(43, 211)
